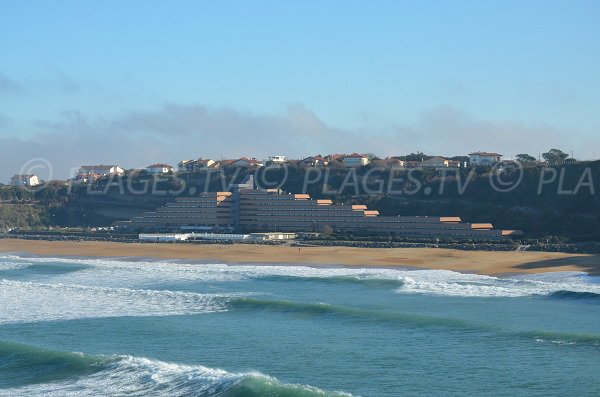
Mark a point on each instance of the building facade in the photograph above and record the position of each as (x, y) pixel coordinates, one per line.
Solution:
(208, 211)
(484, 158)
(159, 169)
(195, 165)
(249, 210)
(277, 160)
(92, 172)
(355, 160)
(435, 162)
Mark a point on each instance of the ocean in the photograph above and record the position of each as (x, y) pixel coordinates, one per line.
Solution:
(125, 327)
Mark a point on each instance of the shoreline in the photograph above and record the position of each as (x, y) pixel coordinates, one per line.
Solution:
(493, 263)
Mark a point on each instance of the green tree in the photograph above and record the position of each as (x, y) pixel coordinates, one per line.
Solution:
(419, 156)
(525, 158)
(555, 156)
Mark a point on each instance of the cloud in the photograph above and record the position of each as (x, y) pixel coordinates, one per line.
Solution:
(169, 134)
(175, 132)
(8, 86)
(446, 130)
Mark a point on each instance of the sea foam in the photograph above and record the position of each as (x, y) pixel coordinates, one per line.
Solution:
(32, 301)
(76, 374)
(144, 274)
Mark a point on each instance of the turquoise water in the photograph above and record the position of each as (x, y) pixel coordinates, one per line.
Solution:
(89, 327)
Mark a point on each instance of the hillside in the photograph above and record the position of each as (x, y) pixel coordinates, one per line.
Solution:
(559, 201)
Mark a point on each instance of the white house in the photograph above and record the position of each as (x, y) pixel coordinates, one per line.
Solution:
(484, 158)
(355, 160)
(25, 180)
(93, 172)
(277, 159)
(159, 169)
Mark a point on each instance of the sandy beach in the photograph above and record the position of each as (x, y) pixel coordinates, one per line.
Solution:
(482, 262)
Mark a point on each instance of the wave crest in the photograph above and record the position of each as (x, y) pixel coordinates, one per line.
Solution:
(31, 371)
(565, 294)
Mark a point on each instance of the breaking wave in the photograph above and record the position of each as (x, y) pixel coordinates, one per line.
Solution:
(30, 371)
(143, 274)
(563, 294)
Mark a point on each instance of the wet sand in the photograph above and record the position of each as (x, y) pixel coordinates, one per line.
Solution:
(482, 262)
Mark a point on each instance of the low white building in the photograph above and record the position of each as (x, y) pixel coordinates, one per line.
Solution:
(173, 237)
(355, 160)
(164, 237)
(25, 180)
(277, 159)
(484, 158)
(272, 236)
(159, 169)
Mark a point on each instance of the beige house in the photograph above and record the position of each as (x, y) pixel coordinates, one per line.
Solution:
(389, 162)
(436, 162)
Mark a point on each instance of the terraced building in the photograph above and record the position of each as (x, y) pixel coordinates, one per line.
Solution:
(271, 210)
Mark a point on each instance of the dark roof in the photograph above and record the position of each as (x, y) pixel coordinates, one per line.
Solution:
(355, 155)
(484, 154)
(159, 166)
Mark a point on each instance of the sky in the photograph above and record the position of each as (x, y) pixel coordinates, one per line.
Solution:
(138, 82)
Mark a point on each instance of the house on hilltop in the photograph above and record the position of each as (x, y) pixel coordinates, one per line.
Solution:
(277, 160)
(390, 162)
(27, 180)
(159, 169)
(484, 158)
(438, 162)
(89, 173)
(435, 162)
(242, 162)
(315, 161)
(196, 165)
(355, 160)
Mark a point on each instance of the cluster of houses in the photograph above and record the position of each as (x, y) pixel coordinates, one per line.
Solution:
(90, 173)
(345, 160)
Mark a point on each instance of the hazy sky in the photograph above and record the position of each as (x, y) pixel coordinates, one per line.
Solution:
(137, 82)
